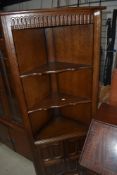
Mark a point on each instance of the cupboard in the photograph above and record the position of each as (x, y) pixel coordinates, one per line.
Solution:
(50, 68)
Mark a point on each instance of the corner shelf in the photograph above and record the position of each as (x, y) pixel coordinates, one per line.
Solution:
(55, 67)
(59, 129)
(58, 101)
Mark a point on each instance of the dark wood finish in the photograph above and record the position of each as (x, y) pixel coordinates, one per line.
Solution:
(60, 127)
(81, 81)
(100, 150)
(38, 122)
(32, 52)
(5, 136)
(32, 88)
(61, 155)
(77, 112)
(20, 142)
(15, 137)
(113, 95)
(96, 63)
(81, 172)
(73, 47)
(58, 101)
(54, 65)
(4, 106)
(107, 113)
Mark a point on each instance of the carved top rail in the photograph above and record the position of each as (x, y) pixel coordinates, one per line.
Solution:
(51, 17)
(35, 21)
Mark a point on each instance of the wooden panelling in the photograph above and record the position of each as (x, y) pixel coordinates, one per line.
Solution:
(36, 89)
(60, 127)
(30, 48)
(74, 44)
(4, 135)
(99, 152)
(4, 104)
(20, 142)
(39, 119)
(80, 112)
(81, 81)
(62, 156)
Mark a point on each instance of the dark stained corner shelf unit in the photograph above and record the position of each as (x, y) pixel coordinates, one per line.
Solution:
(49, 70)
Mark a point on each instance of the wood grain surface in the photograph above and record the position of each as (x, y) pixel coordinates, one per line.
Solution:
(100, 149)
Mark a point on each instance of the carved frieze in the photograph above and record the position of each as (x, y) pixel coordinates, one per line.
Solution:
(31, 21)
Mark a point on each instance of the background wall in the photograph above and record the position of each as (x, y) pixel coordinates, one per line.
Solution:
(111, 5)
(34, 4)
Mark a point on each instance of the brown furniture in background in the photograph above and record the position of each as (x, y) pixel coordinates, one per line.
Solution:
(113, 91)
(49, 83)
(100, 149)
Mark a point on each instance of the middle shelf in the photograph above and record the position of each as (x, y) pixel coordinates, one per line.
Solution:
(55, 67)
(57, 101)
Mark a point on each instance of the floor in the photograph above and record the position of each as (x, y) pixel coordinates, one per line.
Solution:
(12, 163)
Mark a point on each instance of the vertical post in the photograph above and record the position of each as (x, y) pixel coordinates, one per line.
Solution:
(49, 35)
(96, 55)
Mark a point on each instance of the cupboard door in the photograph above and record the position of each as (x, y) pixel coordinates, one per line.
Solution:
(4, 136)
(21, 142)
(8, 103)
(4, 105)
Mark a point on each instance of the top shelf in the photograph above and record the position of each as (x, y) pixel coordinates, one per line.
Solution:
(55, 67)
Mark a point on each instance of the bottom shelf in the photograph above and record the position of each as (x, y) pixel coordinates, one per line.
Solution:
(60, 129)
(59, 145)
